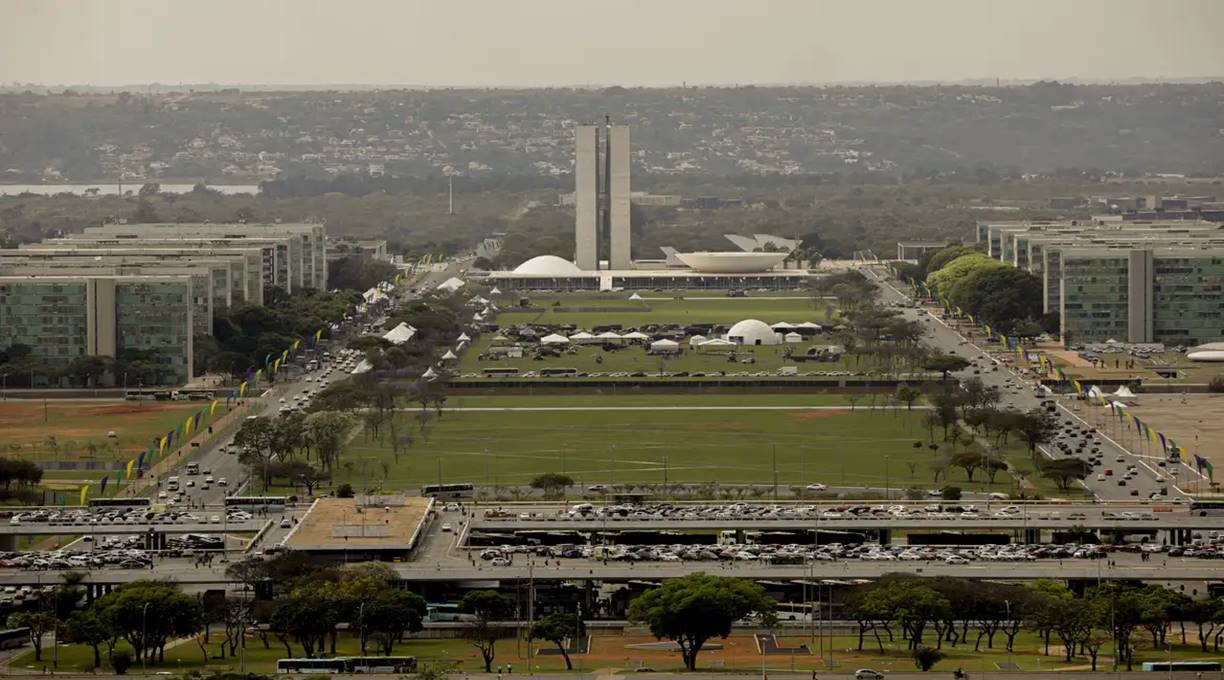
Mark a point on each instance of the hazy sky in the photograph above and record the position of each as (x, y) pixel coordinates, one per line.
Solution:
(626, 42)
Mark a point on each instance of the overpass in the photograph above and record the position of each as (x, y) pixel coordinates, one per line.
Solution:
(155, 531)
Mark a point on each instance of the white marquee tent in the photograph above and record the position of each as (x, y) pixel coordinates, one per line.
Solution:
(554, 339)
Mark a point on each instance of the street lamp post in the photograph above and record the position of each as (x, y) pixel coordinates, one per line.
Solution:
(361, 626)
(144, 637)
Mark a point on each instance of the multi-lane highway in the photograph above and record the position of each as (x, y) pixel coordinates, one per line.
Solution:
(944, 338)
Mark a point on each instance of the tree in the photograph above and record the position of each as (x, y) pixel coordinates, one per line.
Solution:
(87, 628)
(487, 606)
(121, 661)
(392, 614)
(969, 461)
(925, 657)
(945, 364)
(692, 609)
(307, 616)
(39, 624)
(950, 493)
(552, 483)
(88, 368)
(1065, 471)
(327, 432)
(944, 281)
(1035, 428)
(1003, 297)
(908, 395)
(148, 614)
(557, 629)
(255, 440)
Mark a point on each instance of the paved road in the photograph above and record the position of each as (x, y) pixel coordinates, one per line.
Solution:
(945, 339)
(1161, 521)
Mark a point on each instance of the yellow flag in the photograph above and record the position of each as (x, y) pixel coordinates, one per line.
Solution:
(131, 464)
(242, 389)
(84, 493)
(187, 427)
(161, 445)
(212, 408)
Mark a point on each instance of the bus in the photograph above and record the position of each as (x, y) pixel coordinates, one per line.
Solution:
(1205, 508)
(448, 491)
(14, 638)
(349, 664)
(120, 503)
(1166, 666)
(445, 612)
(312, 666)
(558, 372)
(500, 372)
(257, 503)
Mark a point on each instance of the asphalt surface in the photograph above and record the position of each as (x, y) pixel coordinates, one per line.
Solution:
(944, 338)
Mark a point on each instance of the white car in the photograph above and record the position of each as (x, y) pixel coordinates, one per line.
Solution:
(817, 487)
(446, 526)
(868, 674)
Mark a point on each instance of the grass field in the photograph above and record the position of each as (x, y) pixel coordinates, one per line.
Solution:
(65, 430)
(613, 652)
(838, 447)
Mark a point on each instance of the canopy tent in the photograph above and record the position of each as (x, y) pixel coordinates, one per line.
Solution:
(582, 337)
(792, 337)
(1124, 392)
(809, 324)
(429, 374)
(400, 334)
(449, 356)
(499, 338)
(1094, 392)
(554, 339)
(495, 291)
(717, 342)
(610, 335)
(635, 296)
(451, 284)
(782, 326)
(664, 345)
(697, 340)
(635, 335)
(463, 337)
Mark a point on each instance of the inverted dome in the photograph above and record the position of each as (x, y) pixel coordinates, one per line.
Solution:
(753, 332)
(548, 265)
(731, 262)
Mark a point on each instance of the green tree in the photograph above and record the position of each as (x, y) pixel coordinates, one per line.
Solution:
(121, 661)
(88, 368)
(552, 483)
(908, 395)
(925, 657)
(692, 609)
(557, 629)
(945, 364)
(38, 623)
(969, 461)
(86, 627)
(1065, 471)
(944, 281)
(255, 441)
(392, 614)
(488, 606)
(1000, 296)
(328, 432)
(148, 614)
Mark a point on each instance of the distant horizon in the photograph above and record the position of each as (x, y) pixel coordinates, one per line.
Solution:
(359, 86)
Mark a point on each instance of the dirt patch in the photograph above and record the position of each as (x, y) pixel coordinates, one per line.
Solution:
(818, 415)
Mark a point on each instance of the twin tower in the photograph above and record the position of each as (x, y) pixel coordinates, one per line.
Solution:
(601, 197)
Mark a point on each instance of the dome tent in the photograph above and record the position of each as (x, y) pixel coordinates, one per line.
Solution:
(752, 332)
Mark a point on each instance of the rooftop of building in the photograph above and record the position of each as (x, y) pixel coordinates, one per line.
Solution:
(363, 523)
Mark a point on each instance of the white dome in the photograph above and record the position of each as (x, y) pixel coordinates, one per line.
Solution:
(1206, 355)
(753, 332)
(548, 265)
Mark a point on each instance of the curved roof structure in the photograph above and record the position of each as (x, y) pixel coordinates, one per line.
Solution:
(753, 332)
(731, 262)
(1206, 355)
(547, 265)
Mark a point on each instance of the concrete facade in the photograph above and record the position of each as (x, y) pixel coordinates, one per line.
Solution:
(586, 197)
(618, 197)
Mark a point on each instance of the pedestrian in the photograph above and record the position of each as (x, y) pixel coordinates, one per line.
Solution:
(509, 668)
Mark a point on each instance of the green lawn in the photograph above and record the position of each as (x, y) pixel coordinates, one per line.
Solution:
(840, 447)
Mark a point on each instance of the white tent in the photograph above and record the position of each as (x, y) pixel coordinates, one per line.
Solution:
(554, 339)
(610, 335)
(782, 326)
(665, 345)
(635, 296)
(697, 340)
(451, 284)
(478, 317)
(1124, 392)
(582, 337)
(635, 335)
(792, 337)
(1094, 392)
(363, 366)
(809, 324)
(429, 374)
(717, 342)
(449, 356)
(463, 337)
(495, 291)
(400, 334)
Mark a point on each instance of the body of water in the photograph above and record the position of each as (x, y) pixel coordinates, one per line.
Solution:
(113, 189)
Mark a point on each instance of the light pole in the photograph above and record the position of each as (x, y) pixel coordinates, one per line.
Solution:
(1007, 603)
(361, 626)
(144, 637)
